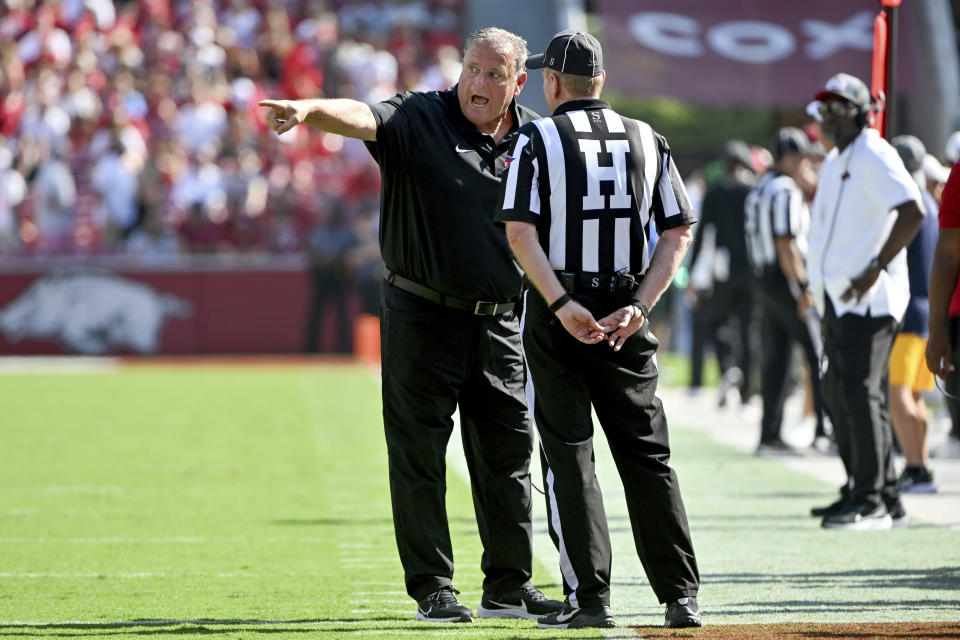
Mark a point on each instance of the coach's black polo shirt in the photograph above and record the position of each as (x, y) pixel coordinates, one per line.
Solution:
(440, 182)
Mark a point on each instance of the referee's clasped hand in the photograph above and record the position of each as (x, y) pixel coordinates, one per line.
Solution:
(621, 324)
(580, 323)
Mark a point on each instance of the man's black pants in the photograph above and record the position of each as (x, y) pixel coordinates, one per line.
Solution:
(856, 392)
(567, 377)
(434, 359)
(730, 302)
(782, 327)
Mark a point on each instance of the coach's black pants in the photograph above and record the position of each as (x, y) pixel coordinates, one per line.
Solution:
(567, 376)
(434, 359)
(782, 327)
(856, 391)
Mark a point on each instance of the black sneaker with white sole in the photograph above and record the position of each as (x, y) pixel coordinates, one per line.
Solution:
(916, 480)
(683, 613)
(859, 517)
(526, 602)
(442, 606)
(899, 516)
(570, 617)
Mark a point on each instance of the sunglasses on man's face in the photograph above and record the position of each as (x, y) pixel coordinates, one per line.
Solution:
(835, 107)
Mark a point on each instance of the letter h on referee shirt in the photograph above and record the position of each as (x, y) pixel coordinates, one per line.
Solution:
(617, 174)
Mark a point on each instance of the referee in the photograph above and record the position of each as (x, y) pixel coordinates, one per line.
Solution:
(777, 224)
(577, 202)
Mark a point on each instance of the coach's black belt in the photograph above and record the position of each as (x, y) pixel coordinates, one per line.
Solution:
(586, 281)
(476, 307)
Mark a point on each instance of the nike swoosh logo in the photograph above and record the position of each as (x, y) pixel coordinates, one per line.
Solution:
(459, 150)
(569, 616)
(523, 605)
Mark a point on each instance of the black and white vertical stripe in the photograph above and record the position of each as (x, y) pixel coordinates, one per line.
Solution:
(774, 209)
(595, 179)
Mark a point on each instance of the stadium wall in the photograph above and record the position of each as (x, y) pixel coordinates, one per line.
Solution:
(133, 310)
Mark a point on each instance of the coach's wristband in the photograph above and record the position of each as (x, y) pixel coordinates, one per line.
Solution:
(559, 302)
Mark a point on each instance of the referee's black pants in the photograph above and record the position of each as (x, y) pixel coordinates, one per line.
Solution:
(782, 327)
(567, 377)
(856, 390)
(435, 358)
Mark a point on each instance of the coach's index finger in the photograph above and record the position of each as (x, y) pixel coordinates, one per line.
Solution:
(273, 104)
(281, 117)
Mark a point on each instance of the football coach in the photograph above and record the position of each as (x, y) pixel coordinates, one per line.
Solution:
(450, 329)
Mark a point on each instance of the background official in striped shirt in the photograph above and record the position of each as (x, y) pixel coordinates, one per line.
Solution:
(777, 224)
(582, 189)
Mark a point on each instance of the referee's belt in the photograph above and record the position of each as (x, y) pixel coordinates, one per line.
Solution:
(476, 307)
(590, 282)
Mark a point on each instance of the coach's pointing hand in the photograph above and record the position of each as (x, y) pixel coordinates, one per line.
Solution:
(283, 114)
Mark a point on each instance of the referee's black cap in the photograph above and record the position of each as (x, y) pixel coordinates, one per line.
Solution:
(571, 51)
(790, 139)
(848, 87)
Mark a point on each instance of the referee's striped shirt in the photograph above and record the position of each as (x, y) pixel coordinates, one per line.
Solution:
(775, 208)
(591, 180)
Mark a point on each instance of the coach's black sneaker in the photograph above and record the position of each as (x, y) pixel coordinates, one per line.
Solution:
(899, 516)
(683, 613)
(442, 606)
(526, 602)
(859, 517)
(570, 617)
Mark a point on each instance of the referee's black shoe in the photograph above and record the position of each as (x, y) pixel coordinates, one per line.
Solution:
(442, 606)
(526, 602)
(570, 617)
(683, 613)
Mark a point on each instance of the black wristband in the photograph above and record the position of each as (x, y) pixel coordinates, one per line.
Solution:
(559, 302)
(642, 307)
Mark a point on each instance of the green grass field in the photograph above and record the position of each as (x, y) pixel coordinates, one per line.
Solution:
(251, 501)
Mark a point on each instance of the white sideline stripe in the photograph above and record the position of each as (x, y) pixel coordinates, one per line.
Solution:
(138, 574)
(178, 540)
(74, 488)
(182, 540)
(57, 365)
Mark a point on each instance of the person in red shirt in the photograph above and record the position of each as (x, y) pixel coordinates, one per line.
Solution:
(943, 345)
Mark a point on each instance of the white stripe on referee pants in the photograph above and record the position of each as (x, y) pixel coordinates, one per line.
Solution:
(566, 568)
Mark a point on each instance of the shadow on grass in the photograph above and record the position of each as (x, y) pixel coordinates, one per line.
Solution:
(939, 579)
(201, 627)
(352, 522)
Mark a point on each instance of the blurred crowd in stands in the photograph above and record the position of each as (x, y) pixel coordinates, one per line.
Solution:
(132, 128)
